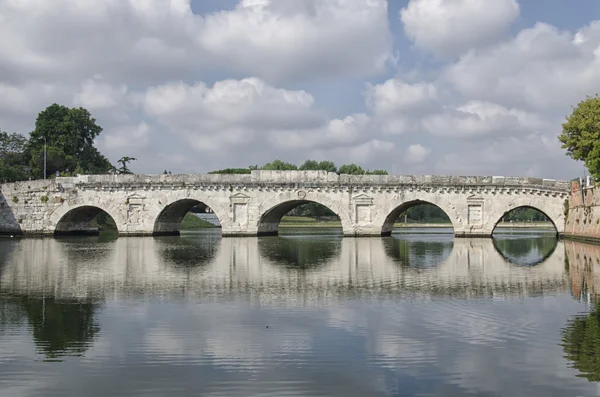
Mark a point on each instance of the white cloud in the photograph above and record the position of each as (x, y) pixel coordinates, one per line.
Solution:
(96, 94)
(337, 132)
(30, 97)
(396, 103)
(529, 155)
(282, 39)
(231, 113)
(363, 153)
(395, 95)
(416, 154)
(166, 81)
(127, 136)
(451, 27)
(149, 41)
(479, 118)
(542, 68)
(243, 112)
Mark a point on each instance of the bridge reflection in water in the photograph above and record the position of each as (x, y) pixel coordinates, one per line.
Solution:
(281, 269)
(67, 291)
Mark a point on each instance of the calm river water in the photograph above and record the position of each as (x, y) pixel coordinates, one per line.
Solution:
(304, 314)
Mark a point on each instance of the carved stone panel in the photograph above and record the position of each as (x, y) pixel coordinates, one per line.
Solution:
(239, 198)
(475, 210)
(475, 214)
(362, 199)
(240, 213)
(135, 199)
(135, 208)
(134, 214)
(362, 208)
(363, 213)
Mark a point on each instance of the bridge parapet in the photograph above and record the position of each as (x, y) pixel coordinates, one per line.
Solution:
(314, 178)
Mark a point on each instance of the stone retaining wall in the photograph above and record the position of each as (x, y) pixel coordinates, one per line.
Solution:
(583, 216)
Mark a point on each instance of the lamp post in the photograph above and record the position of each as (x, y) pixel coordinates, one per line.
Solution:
(44, 157)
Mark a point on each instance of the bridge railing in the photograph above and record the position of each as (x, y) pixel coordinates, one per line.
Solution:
(261, 177)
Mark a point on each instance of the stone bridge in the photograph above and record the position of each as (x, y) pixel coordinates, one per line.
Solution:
(253, 204)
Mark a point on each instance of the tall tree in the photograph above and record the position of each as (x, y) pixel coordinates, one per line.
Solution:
(12, 160)
(309, 165)
(69, 134)
(581, 134)
(377, 172)
(279, 165)
(351, 169)
(232, 171)
(313, 165)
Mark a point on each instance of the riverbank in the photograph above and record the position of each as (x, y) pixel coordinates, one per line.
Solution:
(298, 221)
(192, 222)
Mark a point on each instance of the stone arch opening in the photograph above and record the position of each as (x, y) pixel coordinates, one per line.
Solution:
(417, 213)
(525, 218)
(186, 214)
(298, 213)
(85, 220)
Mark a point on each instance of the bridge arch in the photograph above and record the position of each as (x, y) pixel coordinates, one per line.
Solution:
(273, 209)
(166, 218)
(553, 210)
(75, 218)
(395, 209)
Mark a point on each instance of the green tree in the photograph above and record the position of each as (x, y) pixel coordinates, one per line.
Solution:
(328, 166)
(309, 165)
(12, 146)
(123, 169)
(581, 134)
(279, 165)
(12, 159)
(232, 171)
(377, 172)
(351, 169)
(313, 165)
(69, 134)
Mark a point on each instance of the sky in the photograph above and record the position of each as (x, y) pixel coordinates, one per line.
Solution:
(447, 87)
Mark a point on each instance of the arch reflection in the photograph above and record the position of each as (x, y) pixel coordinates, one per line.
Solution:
(298, 252)
(524, 250)
(419, 253)
(188, 251)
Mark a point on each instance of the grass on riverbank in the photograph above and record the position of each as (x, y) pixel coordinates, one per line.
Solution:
(304, 221)
(192, 222)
